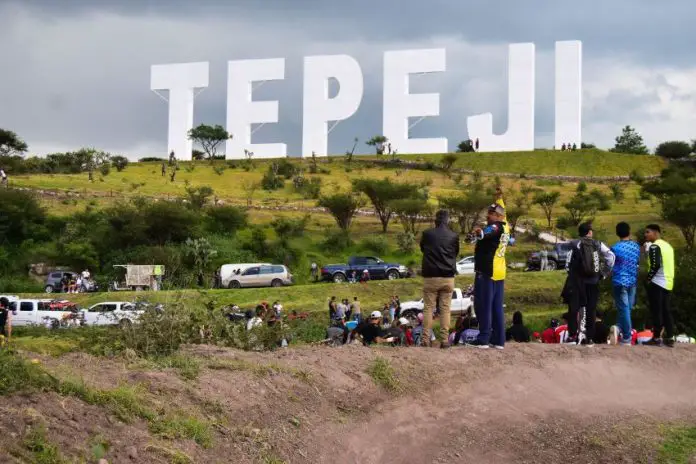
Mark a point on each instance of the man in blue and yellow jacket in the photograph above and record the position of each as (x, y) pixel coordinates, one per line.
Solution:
(489, 286)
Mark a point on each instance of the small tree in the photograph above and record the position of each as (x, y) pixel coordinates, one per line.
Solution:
(378, 141)
(588, 146)
(584, 206)
(342, 206)
(676, 191)
(673, 150)
(93, 161)
(349, 154)
(448, 161)
(617, 191)
(209, 138)
(202, 253)
(119, 162)
(382, 192)
(11, 144)
(465, 146)
(630, 141)
(249, 187)
(547, 201)
(468, 206)
(514, 214)
(411, 212)
(680, 210)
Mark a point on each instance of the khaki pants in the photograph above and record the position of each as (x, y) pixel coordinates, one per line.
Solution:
(437, 289)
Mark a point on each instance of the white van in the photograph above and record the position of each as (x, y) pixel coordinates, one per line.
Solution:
(36, 312)
(228, 272)
(112, 313)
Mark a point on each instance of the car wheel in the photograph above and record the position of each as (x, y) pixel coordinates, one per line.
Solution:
(551, 265)
(125, 323)
(339, 278)
(235, 284)
(276, 283)
(49, 289)
(392, 275)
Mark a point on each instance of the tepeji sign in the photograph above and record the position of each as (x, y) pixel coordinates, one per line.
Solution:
(398, 104)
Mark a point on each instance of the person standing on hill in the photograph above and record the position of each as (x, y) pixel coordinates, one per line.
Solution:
(440, 247)
(489, 286)
(624, 278)
(585, 270)
(660, 285)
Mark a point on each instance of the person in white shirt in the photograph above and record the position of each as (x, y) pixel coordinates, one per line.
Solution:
(3, 177)
(278, 309)
(85, 274)
(255, 321)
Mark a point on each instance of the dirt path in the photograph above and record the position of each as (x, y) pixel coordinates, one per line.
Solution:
(588, 387)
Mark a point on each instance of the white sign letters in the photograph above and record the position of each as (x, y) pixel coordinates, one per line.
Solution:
(398, 103)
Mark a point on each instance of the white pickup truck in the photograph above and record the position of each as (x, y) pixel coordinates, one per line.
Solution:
(36, 312)
(461, 303)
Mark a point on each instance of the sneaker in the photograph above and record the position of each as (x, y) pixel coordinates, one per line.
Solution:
(653, 342)
(478, 344)
(669, 343)
(497, 347)
(625, 342)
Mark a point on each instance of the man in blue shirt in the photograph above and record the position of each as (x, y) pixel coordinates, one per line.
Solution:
(624, 278)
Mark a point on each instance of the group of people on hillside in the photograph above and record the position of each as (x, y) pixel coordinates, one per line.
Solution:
(78, 283)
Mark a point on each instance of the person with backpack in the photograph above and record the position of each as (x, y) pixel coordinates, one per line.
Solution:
(660, 285)
(624, 277)
(589, 262)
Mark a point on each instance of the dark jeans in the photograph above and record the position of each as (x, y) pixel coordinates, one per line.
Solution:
(488, 304)
(660, 310)
(590, 300)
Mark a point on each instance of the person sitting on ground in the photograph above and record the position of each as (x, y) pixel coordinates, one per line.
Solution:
(644, 336)
(463, 323)
(601, 334)
(371, 331)
(257, 320)
(517, 332)
(295, 315)
(277, 309)
(408, 331)
(561, 334)
(549, 335)
(472, 333)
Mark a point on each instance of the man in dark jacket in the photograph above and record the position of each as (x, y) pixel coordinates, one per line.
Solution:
(440, 247)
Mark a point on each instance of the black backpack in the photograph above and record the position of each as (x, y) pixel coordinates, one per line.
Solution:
(588, 256)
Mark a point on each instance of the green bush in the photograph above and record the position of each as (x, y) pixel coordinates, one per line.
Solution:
(286, 169)
(673, 150)
(271, 181)
(378, 245)
(16, 374)
(406, 242)
(337, 240)
(225, 220)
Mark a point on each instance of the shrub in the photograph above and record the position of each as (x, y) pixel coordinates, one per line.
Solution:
(337, 240)
(308, 188)
(271, 181)
(105, 169)
(375, 244)
(617, 192)
(151, 159)
(286, 228)
(406, 242)
(198, 196)
(257, 243)
(286, 169)
(219, 170)
(225, 220)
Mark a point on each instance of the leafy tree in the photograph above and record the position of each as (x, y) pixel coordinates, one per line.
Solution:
(676, 191)
(271, 180)
(249, 187)
(588, 146)
(119, 162)
(468, 206)
(209, 138)
(411, 212)
(198, 196)
(630, 141)
(169, 221)
(673, 150)
(11, 144)
(465, 146)
(382, 192)
(197, 155)
(584, 206)
(514, 214)
(226, 220)
(202, 253)
(547, 201)
(617, 191)
(93, 160)
(693, 146)
(342, 206)
(378, 141)
(286, 228)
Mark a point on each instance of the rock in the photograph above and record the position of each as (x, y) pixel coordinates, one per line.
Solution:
(132, 453)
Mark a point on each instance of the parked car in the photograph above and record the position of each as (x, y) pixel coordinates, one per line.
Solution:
(263, 276)
(54, 281)
(229, 271)
(465, 266)
(462, 301)
(377, 269)
(120, 313)
(557, 257)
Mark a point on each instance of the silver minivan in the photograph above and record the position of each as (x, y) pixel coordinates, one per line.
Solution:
(263, 276)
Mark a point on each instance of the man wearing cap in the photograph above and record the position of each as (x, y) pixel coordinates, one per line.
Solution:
(489, 286)
(371, 330)
(660, 285)
(440, 247)
(585, 271)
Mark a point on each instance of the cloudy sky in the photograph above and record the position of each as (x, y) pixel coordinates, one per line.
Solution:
(74, 74)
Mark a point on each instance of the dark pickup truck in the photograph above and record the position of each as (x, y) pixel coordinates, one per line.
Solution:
(556, 259)
(377, 269)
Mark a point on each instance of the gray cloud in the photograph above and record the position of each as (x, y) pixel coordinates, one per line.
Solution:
(80, 73)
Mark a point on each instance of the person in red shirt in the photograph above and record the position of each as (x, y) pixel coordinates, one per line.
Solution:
(549, 335)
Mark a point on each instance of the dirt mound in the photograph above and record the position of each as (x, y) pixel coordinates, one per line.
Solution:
(529, 403)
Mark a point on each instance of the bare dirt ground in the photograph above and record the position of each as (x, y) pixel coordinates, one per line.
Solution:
(529, 403)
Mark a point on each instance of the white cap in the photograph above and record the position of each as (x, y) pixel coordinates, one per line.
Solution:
(375, 315)
(403, 321)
